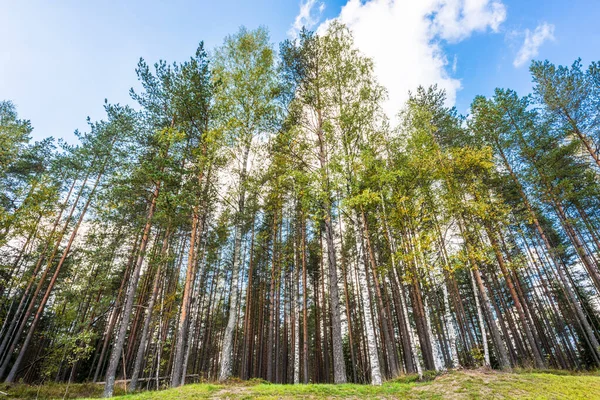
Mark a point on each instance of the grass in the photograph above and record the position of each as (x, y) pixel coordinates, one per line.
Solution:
(478, 384)
(54, 391)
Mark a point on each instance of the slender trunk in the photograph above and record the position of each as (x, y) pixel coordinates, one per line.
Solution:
(129, 298)
(116, 310)
(247, 354)
(339, 365)
(369, 329)
(348, 310)
(386, 322)
(304, 302)
(486, 352)
(12, 374)
(409, 349)
(537, 356)
(587, 142)
(227, 350)
(183, 326)
(9, 332)
(296, 313)
(558, 265)
(272, 316)
(449, 321)
(155, 287)
(326, 325)
(498, 343)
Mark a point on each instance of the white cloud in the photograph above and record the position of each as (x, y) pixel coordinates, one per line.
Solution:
(455, 20)
(309, 16)
(533, 41)
(404, 38)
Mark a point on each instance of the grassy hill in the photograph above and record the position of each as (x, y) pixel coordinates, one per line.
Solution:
(477, 384)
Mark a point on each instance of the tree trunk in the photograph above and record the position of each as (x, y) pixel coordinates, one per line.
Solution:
(227, 351)
(339, 365)
(366, 311)
(247, 353)
(183, 326)
(129, 298)
(304, 302)
(386, 321)
(142, 345)
(537, 356)
(12, 374)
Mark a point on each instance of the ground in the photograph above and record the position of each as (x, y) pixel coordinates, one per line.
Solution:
(473, 384)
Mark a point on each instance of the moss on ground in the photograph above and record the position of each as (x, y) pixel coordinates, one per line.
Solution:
(478, 384)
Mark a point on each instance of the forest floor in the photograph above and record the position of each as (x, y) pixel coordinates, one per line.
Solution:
(469, 384)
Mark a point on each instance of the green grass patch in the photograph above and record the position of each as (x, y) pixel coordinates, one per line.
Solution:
(53, 390)
(477, 384)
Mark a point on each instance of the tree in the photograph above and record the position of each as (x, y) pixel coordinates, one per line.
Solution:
(246, 104)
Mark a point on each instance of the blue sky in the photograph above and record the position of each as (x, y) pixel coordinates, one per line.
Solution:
(59, 60)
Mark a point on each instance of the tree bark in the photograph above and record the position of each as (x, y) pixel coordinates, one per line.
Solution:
(366, 310)
(129, 298)
(155, 287)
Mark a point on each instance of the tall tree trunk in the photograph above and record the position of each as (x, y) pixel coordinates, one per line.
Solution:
(409, 349)
(502, 355)
(372, 352)
(587, 142)
(272, 297)
(227, 350)
(304, 301)
(537, 356)
(558, 265)
(8, 334)
(386, 321)
(155, 287)
(326, 325)
(486, 352)
(247, 353)
(348, 309)
(449, 321)
(116, 310)
(339, 365)
(296, 313)
(183, 326)
(13, 372)
(129, 298)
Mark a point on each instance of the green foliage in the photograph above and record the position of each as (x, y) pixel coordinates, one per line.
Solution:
(264, 153)
(67, 348)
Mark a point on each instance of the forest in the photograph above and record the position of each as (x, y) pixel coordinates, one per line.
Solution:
(258, 215)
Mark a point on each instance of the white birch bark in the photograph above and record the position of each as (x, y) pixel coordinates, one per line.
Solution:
(227, 350)
(411, 335)
(434, 345)
(296, 289)
(486, 352)
(451, 329)
(370, 331)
